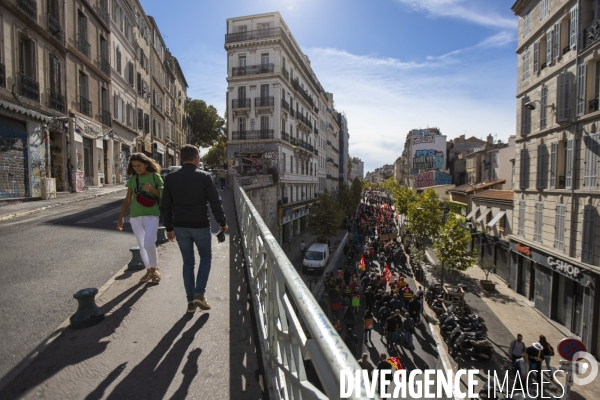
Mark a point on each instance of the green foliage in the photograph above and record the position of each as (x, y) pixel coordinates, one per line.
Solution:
(207, 125)
(417, 257)
(487, 266)
(455, 207)
(452, 245)
(344, 199)
(424, 215)
(325, 220)
(217, 154)
(356, 188)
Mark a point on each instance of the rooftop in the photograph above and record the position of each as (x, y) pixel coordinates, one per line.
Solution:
(470, 188)
(496, 194)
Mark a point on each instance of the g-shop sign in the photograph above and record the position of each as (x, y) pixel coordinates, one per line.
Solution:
(563, 267)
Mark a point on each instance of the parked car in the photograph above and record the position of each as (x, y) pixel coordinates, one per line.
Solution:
(166, 171)
(316, 258)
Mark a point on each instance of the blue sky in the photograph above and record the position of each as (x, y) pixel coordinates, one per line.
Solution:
(392, 65)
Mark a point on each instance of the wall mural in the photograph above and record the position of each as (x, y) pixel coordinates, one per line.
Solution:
(432, 178)
(422, 136)
(124, 159)
(14, 180)
(38, 156)
(427, 159)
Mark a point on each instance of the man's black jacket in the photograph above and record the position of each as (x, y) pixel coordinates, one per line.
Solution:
(186, 196)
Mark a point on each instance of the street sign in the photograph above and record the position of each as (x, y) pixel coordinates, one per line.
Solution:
(569, 346)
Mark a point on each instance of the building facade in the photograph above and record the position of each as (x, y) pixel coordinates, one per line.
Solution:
(555, 254)
(425, 152)
(344, 136)
(358, 169)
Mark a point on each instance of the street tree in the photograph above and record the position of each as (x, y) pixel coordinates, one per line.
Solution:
(417, 256)
(356, 189)
(325, 220)
(217, 154)
(424, 216)
(206, 123)
(452, 246)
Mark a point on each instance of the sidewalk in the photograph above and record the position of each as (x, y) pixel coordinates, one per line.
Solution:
(148, 346)
(20, 209)
(506, 314)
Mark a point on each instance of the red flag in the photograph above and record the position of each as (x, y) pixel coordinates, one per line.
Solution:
(386, 274)
(361, 264)
(395, 361)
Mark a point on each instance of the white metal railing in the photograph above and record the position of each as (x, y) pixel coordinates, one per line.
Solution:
(292, 327)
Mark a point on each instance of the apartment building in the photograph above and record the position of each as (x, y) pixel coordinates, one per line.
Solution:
(274, 101)
(142, 80)
(332, 152)
(425, 155)
(343, 139)
(32, 121)
(358, 169)
(555, 246)
(457, 150)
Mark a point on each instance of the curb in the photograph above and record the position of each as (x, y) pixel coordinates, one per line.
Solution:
(330, 267)
(6, 217)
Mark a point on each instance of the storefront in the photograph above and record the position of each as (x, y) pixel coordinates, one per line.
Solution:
(561, 289)
(170, 157)
(158, 152)
(493, 250)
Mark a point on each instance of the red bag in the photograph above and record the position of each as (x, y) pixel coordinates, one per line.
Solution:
(336, 306)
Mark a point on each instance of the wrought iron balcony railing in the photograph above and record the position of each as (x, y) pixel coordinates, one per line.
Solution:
(334, 149)
(329, 142)
(83, 46)
(566, 50)
(303, 93)
(285, 105)
(104, 14)
(285, 136)
(30, 88)
(106, 118)
(316, 151)
(304, 120)
(330, 127)
(240, 103)
(55, 28)
(591, 34)
(330, 160)
(285, 73)
(29, 7)
(593, 105)
(57, 101)
(2, 76)
(85, 106)
(292, 112)
(104, 65)
(264, 101)
(252, 70)
(316, 130)
(252, 135)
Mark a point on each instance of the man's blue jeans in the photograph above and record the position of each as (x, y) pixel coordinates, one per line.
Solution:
(186, 238)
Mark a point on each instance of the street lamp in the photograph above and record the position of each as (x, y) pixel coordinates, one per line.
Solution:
(446, 210)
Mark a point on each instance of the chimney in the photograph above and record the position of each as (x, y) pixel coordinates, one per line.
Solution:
(490, 139)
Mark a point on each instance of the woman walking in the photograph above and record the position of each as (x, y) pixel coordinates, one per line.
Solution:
(144, 189)
(368, 320)
(547, 353)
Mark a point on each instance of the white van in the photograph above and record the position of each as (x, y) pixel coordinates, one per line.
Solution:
(316, 258)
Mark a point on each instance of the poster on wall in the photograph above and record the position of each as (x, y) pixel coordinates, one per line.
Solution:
(426, 160)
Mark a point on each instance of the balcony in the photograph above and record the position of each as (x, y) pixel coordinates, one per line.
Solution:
(591, 34)
(292, 112)
(252, 70)
(330, 127)
(104, 14)
(57, 101)
(55, 28)
(264, 101)
(285, 105)
(566, 50)
(544, 65)
(285, 73)
(104, 65)
(85, 106)
(334, 149)
(328, 142)
(83, 46)
(593, 105)
(106, 119)
(285, 136)
(330, 160)
(303, 93)
(30, 88)
(329, 176)
(240, 103)
(316, 151)
(316, 130)
(29, 7)
(304, 120)
(252, 135)
(2, 76)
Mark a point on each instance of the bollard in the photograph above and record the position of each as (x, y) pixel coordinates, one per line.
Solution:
(136, 263)
(88, 313)
(161, 235)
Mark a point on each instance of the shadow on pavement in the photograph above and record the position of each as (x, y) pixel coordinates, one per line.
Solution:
(74, 346)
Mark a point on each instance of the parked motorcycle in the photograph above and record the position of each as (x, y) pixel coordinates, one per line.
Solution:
(470, 347)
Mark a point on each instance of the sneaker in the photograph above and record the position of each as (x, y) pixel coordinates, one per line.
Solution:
(191, 308)
(200, 302)
(146, 277)
(156, 277)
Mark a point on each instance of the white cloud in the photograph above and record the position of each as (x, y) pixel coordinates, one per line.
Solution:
(471, 11)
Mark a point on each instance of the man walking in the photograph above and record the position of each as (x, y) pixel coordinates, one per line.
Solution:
(303, 248)
(222, 175)
(516, 348)
(186, 194)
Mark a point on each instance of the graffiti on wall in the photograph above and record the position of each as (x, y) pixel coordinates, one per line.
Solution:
(80, 181)
(442, 178)
(57, 165)
(257, 147)
(254, 180)
(428, 159)
(432, 178)
(260, 162)
(124, 159)
(37, 162)
(79, 160)
(422, 136)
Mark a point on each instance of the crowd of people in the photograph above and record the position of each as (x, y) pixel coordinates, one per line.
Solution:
(374, 276)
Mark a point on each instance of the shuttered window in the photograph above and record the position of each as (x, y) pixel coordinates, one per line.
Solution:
(568, 164)
(588, 235)
(140, 118)
(563, 97)
(573, 28)
(590, 175)
(544, 9)
(525, 117)
(538, 221)
(559, 227)
(527, 23)
(553, 164)
(549, 47)
(542, 167)
(536, 57)
(524, 170)
(525, 64)
(581, 74)
(543, 109)
(521, 227)
(556, 41)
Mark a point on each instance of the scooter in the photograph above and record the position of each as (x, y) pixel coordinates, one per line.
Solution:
(479, 349)
(455, 334)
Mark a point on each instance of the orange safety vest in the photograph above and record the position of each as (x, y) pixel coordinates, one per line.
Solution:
(407, 293)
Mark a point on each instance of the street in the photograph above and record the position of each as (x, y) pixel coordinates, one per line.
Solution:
(76, 246)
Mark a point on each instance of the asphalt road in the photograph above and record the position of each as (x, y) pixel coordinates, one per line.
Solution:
(45, 259)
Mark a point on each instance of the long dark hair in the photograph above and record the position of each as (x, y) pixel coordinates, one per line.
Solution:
(151, 165)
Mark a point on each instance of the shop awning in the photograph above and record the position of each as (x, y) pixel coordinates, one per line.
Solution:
(473, 211)
(23, 110)
(496, 218)
(482, 216)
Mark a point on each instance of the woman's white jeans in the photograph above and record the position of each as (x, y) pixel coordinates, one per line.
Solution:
(145, 228)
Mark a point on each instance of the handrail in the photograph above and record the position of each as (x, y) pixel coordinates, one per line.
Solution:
(292, 326)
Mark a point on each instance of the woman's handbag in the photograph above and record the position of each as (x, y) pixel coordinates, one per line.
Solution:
(143, 198)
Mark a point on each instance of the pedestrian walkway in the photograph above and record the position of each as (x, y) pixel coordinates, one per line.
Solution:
(506, 314)
(148, 347)
(28, 207)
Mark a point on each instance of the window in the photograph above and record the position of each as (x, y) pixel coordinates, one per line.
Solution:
(118, 59)
(521, 227)
(588, 235)
(140, 118)
(241, 92)
(83, 85)
(139, 83)
(556, 41)
(284, 161)
(241, 124)
(55, 75)
(130, 74)
(129, 114)
(542, 166)
(525, 64)
(553, 164)
(559, 227)
(563, 97)
(538, 222)
(525, 117)
(242, 60)
(568, 164)
(27, 58)
(581, 73)
(590, 176)
(527, 23)
(264, 125)
(549, 47)
(543, 109)
(544, 9)
(292, 164)
(536, 57)
(146, 123)
(264, 59)
(264, 90)
(524, 172)
(573, 28)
